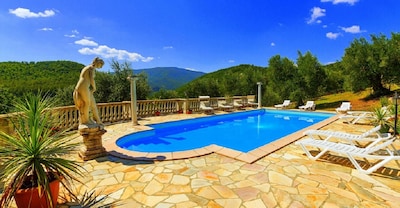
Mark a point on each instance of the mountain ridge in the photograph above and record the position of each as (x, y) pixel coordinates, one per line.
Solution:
(169, 78)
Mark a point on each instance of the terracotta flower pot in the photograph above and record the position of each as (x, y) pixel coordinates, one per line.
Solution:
(29, 198)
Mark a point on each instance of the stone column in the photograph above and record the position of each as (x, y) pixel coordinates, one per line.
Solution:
(92, 142)
(259, 94)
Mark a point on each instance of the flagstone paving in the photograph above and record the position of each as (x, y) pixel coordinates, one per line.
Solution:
(284, 178)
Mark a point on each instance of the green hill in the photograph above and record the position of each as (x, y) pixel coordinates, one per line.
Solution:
(237, 80)
(19, 77)
(168, 78)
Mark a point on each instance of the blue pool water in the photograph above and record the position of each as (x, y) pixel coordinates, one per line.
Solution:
(242, 131)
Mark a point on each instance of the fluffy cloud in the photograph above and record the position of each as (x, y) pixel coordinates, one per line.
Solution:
(353, 29)
(351, 2)
(86, 42)
(332, 35)
(26, 13)
(316, 13)
(272, 44)
(108, 52)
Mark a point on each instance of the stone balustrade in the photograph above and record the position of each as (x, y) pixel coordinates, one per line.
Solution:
(121, 111)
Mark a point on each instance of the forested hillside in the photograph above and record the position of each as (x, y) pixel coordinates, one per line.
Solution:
(168, 78)
(48, 76)
(237, 80)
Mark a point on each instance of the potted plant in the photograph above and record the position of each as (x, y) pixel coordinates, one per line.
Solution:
(382, 118)
(31, 157)
(156, 108)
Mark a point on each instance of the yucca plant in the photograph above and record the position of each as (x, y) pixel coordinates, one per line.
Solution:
(32, 156)
(90, 199)
(382, 117)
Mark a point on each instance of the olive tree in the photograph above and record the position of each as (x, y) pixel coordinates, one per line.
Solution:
(372, 64)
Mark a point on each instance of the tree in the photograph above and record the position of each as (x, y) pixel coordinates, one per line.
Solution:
(312, 76)
(64, 95)
(164, 94)
(115, 87)
(6, 99)
(282, 76)
(335, 77)
(372, 64)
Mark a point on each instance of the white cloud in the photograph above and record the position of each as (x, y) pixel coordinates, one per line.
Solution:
(26, 13)
(108, 52)
(351, 2)
(168, 47)
(231, 61)
(353, 29)
(316, 13)
(272, 44)
(332, 35)
(46, 29)
(86, 42)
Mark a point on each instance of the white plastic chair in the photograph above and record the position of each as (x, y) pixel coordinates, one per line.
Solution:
(344, 107)
(372, 135)
(285, 104)
(310, 105)
(370, 152)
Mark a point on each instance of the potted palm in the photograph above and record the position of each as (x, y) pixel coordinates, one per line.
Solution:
(382, 117)
(31, 157)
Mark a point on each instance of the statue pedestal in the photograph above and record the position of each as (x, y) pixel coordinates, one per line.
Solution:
(93, 144)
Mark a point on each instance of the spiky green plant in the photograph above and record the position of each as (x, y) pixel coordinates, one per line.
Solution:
(34, 151)
(381, 117)
(92, 199)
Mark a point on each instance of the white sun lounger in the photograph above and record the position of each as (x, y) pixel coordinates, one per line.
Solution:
(352, 152)
(206, 109)
(237, 105)
(353, 117)
(310, 105)
(285, 104)
(344, 107)
(225, 107)
(371, 135)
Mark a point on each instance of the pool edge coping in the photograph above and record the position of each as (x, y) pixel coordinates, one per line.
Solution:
(250, 157)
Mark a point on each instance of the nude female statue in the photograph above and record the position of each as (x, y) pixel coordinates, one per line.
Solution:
(83, 93)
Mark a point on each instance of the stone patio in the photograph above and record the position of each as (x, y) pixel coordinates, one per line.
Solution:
(284, 178)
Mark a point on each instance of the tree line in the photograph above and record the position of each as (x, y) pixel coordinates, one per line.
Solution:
(367, 63)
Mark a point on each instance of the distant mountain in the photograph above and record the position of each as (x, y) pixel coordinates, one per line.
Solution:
(168, 78)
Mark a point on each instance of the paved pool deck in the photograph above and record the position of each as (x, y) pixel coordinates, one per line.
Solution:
(284, 177)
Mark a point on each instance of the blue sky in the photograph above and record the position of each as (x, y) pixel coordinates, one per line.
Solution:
(202, 35)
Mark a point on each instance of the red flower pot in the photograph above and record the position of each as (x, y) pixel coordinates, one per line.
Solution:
(29, 198)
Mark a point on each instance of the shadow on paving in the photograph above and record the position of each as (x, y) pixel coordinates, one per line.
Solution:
(344, 161)
(128, 160)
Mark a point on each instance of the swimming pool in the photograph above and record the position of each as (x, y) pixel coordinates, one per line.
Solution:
(241, 131)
